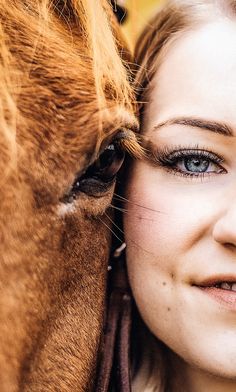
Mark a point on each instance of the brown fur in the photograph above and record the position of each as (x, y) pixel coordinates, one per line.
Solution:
(53, 266)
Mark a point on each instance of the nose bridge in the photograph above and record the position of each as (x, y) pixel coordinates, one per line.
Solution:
(224, 230)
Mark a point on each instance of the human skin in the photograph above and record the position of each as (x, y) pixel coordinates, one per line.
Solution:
(185, 232)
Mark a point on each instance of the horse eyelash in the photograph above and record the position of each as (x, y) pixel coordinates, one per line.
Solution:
(129, 142)
(123, 199)
(134, 243)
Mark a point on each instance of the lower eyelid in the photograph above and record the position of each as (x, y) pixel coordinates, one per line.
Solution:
(171, 167)
(191, 176)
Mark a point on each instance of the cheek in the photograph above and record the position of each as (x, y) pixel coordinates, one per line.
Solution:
(150, 259)
(166, 216)
(159, 223)
(163, 225)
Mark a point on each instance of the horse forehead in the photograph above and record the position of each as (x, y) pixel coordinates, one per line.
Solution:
(57, 103)
(59, 94)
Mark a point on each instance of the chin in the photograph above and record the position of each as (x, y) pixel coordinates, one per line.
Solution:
(218, 364)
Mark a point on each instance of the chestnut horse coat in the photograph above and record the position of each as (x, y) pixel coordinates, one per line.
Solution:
(64, 99)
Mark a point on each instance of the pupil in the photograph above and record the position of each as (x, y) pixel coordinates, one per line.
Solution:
(195, 164)
(107, 157)
(107, 165)
(110, 162)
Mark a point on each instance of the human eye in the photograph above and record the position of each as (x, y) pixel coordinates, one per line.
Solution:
(190, 162)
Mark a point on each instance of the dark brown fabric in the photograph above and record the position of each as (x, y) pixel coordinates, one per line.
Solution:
(114, 369)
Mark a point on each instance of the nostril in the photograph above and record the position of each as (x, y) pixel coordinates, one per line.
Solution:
(230, 246)
(224, 231)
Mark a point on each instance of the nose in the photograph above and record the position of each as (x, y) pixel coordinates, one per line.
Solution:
(224, 230)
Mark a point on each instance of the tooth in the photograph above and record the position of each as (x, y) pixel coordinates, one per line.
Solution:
(226, 286)
(233, 287)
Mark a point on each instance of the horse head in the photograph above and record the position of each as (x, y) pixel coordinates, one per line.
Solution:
(66, 116)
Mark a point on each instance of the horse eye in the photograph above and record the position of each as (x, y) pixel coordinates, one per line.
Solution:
(101, 174)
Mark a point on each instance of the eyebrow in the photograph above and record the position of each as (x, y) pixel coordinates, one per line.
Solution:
(212, 126)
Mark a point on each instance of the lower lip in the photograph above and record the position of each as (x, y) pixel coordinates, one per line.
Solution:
(227, 298)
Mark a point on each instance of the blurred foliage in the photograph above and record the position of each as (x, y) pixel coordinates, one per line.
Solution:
(139, 12)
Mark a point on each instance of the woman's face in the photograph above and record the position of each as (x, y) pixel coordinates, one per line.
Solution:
(181, 223)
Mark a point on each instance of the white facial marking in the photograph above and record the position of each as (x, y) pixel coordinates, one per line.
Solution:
(66, 208)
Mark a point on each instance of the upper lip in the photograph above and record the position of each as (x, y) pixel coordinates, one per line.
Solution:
(214, 280)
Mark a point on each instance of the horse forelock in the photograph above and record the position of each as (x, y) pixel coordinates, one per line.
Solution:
(53, 54)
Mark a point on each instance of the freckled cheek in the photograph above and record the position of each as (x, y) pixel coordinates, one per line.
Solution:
(167, 215)
(153, 226)
(152, 253)
(149, 255)
(151, 274)
(151, 266)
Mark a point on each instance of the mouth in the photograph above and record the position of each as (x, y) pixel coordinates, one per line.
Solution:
(222, 290)
(225, 285)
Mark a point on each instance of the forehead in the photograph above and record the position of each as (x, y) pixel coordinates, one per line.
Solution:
(197, 76)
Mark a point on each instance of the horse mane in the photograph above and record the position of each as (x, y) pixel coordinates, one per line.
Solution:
(37, 31)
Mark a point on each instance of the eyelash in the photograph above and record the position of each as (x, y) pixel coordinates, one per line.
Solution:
(170, 157)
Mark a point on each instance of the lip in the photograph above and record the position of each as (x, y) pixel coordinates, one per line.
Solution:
(226, 298)
(212, 281)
